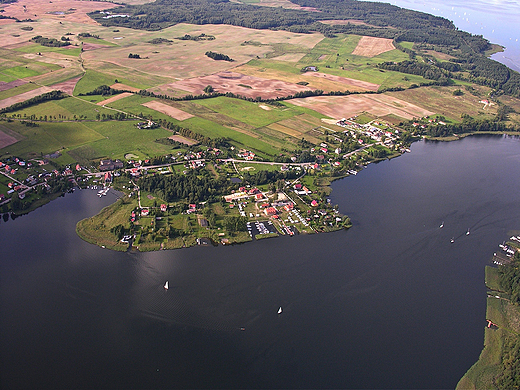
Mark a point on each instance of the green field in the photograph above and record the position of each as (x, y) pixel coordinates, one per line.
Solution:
(17, 90)
(36, 48)
(20, 72)
(91, 80)
(67, 108)
(48, 138)
(247, 112)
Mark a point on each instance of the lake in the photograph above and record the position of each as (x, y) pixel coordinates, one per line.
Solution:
(390, 303)
(496, 20)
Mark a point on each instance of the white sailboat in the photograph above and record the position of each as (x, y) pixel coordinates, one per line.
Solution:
(467, 233)
(442, 225)
(280, 310)
(166, 285)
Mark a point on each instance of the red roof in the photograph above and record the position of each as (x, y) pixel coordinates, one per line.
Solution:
(314, 203)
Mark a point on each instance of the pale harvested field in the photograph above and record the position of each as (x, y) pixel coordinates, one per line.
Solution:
(93, 46)
(16, 83)
(346, 106)
(23, 97)
(290, 57)
(372, 46)
(240, 84)
(66, 86)
(114, 98)
(124, 87)
(168, 110)
(182, 140)
(357, 85)
(73, 10)
(186, 59)
(325, 84)
(6, 140)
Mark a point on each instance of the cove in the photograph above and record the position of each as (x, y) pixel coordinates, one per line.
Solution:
(390, 303)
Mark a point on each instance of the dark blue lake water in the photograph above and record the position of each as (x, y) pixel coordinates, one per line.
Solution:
(391, 303)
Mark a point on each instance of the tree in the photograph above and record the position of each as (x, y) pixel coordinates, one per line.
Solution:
(208, 89)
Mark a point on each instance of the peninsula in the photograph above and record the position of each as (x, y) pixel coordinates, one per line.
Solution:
(219, 122)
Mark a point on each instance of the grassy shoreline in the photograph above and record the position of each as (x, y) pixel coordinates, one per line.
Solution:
(483, 374)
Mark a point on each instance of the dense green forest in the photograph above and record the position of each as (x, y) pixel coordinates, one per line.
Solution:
(191, 187)
(384, 20)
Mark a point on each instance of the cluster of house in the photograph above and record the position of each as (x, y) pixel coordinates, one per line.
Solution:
(13, 167)
(374, 130)
(146, 125)
(433, 122)
(246, 155)
(110, 165)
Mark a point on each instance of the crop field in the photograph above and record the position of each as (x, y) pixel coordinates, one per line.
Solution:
(6, 138)
(23, 96)
(239, 84)
(442, 101)
(186, 59)
(49, 137)
(346, 106)
(114, 98)
(168, 110)
(63, 10)
(372, 46)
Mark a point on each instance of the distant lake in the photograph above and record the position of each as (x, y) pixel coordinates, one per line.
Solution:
(390, 303)
(496, 20)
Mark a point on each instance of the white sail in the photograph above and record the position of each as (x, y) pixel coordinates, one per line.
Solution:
(280, 310)
(166, 285)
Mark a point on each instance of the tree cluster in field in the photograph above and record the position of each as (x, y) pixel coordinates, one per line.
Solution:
(137, 56)
(49, 42)
(235, 223)
(218, 56)
(200, 37)
(192, 187)
(103, 90)
(53, 95)
(219, 142)
(158, 41)
(87, 35)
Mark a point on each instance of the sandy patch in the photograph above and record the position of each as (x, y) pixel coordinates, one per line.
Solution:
(6, 139)
(114, 98)
(264, 107)
(12, 84)
(346, 81)
(239, 84)
(339, 107)
(183, 140)
(67, 86)
(372, 46)
(168, 110)
(124, 87)
(23, 97)
(69, 10)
